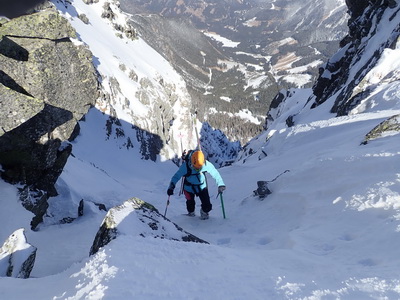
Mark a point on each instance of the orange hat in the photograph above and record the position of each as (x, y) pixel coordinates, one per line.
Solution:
(198, 159)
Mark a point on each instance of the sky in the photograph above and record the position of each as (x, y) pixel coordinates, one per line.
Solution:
(329, 230)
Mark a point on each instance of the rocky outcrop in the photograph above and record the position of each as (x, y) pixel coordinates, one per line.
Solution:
(262, 190)
(388, 127)
(335, 78)
(17, 256)
(135, 217)
(47, 84)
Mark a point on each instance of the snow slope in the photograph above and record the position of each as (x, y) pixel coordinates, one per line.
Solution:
(329, 230)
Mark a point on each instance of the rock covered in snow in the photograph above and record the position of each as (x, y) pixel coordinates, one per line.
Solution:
(388, 127)
(48, 83)
(17, 256)
(138, 218)
(346, 73)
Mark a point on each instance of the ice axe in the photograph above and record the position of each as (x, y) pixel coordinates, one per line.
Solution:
(222, 204)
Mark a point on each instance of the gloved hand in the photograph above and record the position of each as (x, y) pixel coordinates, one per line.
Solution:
(171, 188)
(221, 188)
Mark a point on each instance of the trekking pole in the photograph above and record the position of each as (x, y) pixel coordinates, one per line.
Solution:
(165, 213)
(222, 205)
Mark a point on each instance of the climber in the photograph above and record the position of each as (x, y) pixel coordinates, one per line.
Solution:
(195, 183)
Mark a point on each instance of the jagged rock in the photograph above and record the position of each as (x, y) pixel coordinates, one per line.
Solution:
(262, 191)
(17, 257)
(336, 78)
(107, 12)
(90, 1)
(138, 218)
(388, 127)
(47, 84)
(43, 25)
(83, 18)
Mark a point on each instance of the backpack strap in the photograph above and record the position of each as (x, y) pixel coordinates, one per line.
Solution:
(188, 168)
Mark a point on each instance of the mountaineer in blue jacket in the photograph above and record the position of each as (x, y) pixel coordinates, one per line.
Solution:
(195, 183)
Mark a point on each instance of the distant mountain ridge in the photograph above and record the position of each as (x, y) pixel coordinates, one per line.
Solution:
(248, 51)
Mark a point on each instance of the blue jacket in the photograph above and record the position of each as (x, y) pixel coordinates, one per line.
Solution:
(196, 181)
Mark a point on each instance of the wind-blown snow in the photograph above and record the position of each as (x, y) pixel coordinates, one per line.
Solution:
(329, 230)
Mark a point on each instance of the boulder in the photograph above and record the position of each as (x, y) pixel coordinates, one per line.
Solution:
(389, 127)
(47, 84)
(136, 217)
(17, 256)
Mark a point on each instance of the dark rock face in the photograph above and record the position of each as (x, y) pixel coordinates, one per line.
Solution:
(138, 218)
(335, 78)
(356, 8)
(47, 84)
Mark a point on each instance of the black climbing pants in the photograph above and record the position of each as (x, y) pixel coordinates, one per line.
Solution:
(206, 205)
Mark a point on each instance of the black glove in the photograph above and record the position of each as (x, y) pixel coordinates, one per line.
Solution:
(170, 190)
(221, 188)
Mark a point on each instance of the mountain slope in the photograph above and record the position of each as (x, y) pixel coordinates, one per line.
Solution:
(236, 55)
(330, 228)
(311, 236)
